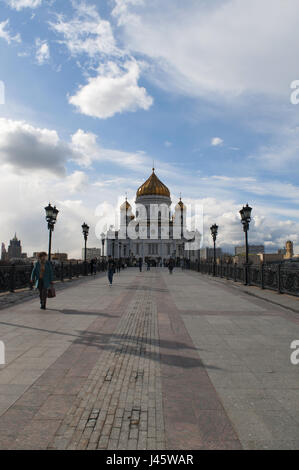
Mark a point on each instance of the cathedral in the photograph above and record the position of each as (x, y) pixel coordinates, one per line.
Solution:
(153, 232)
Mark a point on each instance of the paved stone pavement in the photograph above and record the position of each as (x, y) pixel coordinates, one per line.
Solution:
(8, 299)
(158, 361)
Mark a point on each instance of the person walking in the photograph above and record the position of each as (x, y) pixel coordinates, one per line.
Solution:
(95, 267)
(148, 265)
(140, 264)
(42, 276)
(171, 265)
(110, 269)
(91, 266)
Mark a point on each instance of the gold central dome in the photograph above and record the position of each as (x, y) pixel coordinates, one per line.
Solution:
(153, 187)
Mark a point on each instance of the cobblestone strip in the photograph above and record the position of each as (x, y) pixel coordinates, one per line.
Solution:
(120, 404)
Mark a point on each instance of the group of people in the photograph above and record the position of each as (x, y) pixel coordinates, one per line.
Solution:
(169, 263)
(42, 274)
(147, 262)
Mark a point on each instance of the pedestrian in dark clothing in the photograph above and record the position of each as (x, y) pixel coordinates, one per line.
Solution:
(42, 276)
(171, 265)
(148, 266)
(92, 263)
(95, 266)
(140, 264)
(111, 269)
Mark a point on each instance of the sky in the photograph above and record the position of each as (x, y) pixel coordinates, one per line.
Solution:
(93, 92)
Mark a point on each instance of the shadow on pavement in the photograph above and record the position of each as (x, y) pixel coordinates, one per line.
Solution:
(137, 346)
(66, 311)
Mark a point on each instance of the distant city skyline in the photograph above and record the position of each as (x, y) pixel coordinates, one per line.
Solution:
(94, 252)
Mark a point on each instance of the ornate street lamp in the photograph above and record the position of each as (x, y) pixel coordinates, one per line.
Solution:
(85, 230)
(103, 243)
(214, 233)
(245, 214)
(51, 217)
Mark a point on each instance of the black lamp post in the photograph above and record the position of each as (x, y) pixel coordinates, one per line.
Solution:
(51, 217)
(103, 243)
(119, 250)
(214, 233)
(245, 213)
(85, 229)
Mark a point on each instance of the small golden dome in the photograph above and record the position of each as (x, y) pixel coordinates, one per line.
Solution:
(125, 206)
(153, 187)
(180, 206)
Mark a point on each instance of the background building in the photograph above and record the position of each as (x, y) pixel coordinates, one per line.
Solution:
(208, 253)
(156, 241)
(59, 257)
(91, 253)
(289, 250)
(252, 249)
(15, 248)
(4, 254)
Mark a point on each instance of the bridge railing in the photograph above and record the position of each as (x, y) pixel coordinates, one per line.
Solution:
(282, 278)
(16, 277)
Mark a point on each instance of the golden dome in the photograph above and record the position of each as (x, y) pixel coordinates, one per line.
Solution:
(125, 206)
(153, 187)
(180, 206)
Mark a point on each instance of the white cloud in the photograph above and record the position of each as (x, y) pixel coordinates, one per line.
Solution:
(87, 150)
(77, 182)
(205, 51)
(109, 182)
(279, 156)
(20, 4)
(114, 90)
(86, 33)
(216, 142)
(42, 51)
(6, 34)
(254, 186)
(26, 196)
(265, 227)
(28, 148)
(122, 10)
(168, 144)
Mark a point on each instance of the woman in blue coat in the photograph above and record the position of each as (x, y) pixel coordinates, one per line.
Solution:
(42, 276)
